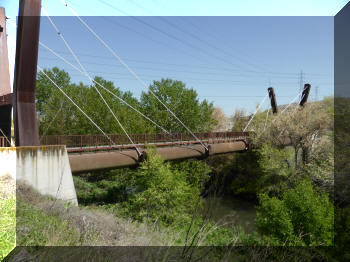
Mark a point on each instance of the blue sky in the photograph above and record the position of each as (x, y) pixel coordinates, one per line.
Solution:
(229, 60)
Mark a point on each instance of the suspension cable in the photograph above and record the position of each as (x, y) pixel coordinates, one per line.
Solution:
(8, 141)
(104, 88)
(132, 72)
(267, 116)
(256, 111)
(291, 102)
(282, 113)
(86, 74)
(296, 108)
(53, 119)
(81, 110)
(84, 70)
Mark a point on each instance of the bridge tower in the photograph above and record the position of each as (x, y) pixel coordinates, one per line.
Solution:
(23, 97)
(5, 86)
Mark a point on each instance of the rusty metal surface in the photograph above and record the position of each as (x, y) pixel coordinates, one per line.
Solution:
(6, 100)
(5, 86)
(26, 128)
(305, 94)
(273, 101)
(86, 162)
(5, 123)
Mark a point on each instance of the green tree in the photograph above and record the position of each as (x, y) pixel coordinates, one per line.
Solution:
(275, 169)
(302, 214)
(239, 120)
(162, 193)
(197, 116)
(57, 115)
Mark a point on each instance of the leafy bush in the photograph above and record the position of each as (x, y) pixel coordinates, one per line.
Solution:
(302, 213)
(161, 192)
(109, 190)
(274, 218)
(276, 169)
(197, 173)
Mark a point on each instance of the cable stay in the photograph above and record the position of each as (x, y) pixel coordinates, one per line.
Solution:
(81, 110)
(296, 108)
(290, 103)
(84, 74)
(104, 88)
(267, 116)
(88, 76)
(133, 73)
(256, 111)
(8, 141)
(53, 119)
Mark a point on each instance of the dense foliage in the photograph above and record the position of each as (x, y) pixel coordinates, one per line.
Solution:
(156, 191)
(57, 115)
(292, 186)
(301, 217)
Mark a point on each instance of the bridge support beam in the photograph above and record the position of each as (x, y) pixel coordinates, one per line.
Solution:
(305, 94)
(5, 86)
(273, 101)
(44, 168)
(86, 162)
(25, 121)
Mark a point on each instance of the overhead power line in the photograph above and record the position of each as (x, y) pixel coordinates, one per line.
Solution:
(256, 111)
(88, 76)
(174, 70)
(133, 73)
(97, 83)
(210, 33)
(187, 43)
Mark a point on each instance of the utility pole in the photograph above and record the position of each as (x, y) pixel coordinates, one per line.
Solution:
(25, 121)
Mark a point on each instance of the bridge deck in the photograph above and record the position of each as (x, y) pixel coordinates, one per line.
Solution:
(95, 152)
(86, 143)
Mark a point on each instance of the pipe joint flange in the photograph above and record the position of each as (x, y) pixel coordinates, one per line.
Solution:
(142, 157)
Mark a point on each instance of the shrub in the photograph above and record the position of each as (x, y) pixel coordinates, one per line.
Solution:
(162, 193)
(302, 213)
(275, 169)
(274, 218)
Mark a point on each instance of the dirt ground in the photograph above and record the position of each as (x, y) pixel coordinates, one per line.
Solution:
(7, 187)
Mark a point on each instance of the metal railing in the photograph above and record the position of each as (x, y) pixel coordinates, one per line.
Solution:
(4, 142)
(100, 142)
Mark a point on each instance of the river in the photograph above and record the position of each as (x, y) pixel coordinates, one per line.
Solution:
(231, 210)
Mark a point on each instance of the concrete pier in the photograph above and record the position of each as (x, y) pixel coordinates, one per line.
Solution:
(45, 168)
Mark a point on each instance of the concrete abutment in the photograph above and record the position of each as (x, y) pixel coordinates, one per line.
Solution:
(45, 168)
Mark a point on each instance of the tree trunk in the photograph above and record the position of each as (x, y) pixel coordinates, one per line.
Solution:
(305, 154)
(296, 157)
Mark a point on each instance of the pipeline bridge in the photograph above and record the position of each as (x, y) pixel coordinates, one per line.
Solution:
(47, 163)
(95, 152)
(103, 151)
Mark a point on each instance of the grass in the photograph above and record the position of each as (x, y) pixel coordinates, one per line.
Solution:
(36, 228)
(7, 216)
(7, 226)
(44, 221)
